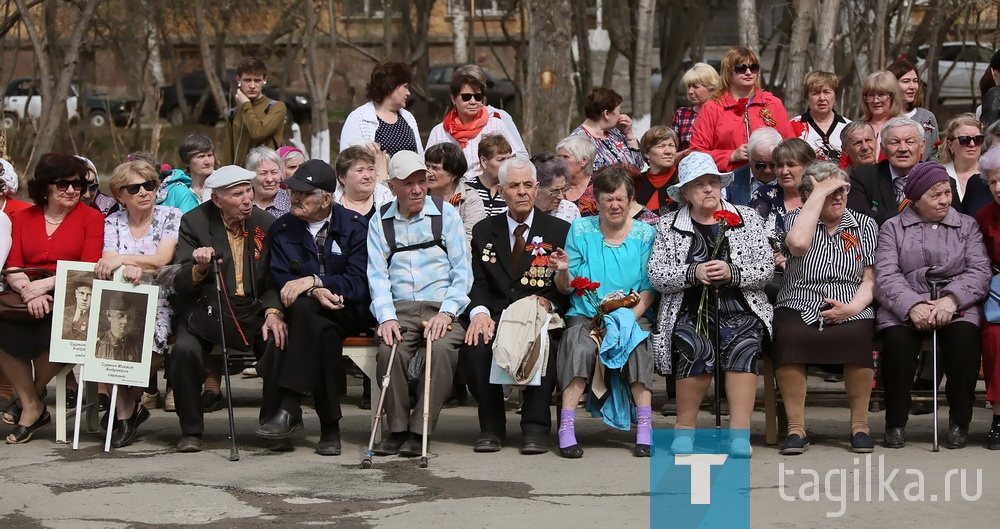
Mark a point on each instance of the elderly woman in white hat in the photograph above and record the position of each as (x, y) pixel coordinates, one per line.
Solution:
(707, 242)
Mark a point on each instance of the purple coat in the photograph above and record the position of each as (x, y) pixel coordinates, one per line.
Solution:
(909, 247)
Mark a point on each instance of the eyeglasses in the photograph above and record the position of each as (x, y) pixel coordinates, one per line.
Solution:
(742, 68)
(846, 190)
(63, 185)
(556, 191)
(760, 166)
(964, 141)
(872, 97)
(468, 97)
(133, 189)
(92, 188)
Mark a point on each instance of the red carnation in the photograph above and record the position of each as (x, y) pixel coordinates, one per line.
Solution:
(741, 106)
(730, 219)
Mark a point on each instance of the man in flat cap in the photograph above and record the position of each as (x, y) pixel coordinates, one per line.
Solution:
(319, 256)
(231, 229)
(418, 270)
(120, 342)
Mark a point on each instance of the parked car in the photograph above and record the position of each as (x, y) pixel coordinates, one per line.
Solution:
(23, 101)
(500, 91)
(196, 85)
(960, 66)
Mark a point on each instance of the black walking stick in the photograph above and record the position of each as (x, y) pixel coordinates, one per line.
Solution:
(935, 285)
(234, 452)
(718, 360)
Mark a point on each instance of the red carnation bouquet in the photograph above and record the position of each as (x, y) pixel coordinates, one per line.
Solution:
(726, 220)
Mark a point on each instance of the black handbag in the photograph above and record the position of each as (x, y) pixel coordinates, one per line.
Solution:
(12, 305)
(241, 316)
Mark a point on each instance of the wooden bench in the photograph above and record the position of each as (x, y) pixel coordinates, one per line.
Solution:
(775, 420)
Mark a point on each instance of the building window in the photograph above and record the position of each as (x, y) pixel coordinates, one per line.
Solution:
(366, 8)
(484, 8)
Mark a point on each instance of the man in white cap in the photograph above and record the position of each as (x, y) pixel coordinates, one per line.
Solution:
(418, 271)
(228, 227)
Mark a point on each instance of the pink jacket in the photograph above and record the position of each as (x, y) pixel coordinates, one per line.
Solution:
(720, 127)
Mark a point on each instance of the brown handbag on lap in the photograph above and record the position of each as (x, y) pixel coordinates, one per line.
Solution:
(12, 306)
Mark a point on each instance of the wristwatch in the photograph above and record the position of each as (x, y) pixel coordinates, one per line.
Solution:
(449, 314)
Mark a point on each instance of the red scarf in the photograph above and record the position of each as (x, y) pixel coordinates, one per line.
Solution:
(463, 132)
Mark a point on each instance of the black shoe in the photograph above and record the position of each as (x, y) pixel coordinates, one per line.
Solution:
(329, 444)
(124, 434)
(640, 450)
(861, 443)
(414, 445)
(534, 443)
(572, 452)
(211, 401)
(794, 445)
(281, 425)
(281, 445)
(921, 407)
(189, 443)
(390, 446)
(895, 437)
(993, 438)
(957, 436)
(103, 402)
(487, 442)
(366, 403)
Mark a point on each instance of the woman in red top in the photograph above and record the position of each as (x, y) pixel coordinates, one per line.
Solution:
(58, 227)
(724, 125)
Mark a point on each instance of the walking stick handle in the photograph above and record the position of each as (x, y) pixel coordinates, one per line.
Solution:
(424, 323)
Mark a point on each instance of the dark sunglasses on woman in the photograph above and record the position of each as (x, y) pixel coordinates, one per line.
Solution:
(467, 96)
(742, 68)
(63, 185)
(964, 141)
(133, 189)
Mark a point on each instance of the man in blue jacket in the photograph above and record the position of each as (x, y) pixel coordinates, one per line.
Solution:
(319, 259)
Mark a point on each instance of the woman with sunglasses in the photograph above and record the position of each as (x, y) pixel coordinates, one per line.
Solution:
(468, 122)
(913, 101)
(723, 128)
(881, 101)
(57, 228)
(140, 238)
(963, 144)
(609, 129)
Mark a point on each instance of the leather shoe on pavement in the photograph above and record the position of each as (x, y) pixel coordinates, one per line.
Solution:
(956, 437)
(189, 443)
(895, 437)
(329, 444)
(281, 425)
(413, 446)
(534, 443)
(390, 446)
(487, 442)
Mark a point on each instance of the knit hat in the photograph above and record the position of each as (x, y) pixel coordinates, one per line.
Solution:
(922, 177)
(284, 151)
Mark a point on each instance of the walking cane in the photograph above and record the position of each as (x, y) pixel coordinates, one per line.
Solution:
(367, 461)
(427, 405)
(718, 363)
(234, 452)
(935, 284)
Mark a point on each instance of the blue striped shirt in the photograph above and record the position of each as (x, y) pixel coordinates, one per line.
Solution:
(430, 274)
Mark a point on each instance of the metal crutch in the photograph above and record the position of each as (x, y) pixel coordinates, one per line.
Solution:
(427, 405)
(367, 461)
(935, 284)
(234, 451)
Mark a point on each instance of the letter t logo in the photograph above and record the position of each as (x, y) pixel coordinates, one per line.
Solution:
(701, 474)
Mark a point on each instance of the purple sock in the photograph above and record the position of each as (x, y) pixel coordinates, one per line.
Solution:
(567, 428)
(644, 428)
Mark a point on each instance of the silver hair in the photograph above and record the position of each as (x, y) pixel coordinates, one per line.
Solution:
(579, 147)
(992, 133)
(989, 162)
(516, 163)
(257, 155)
(898, 122)
(817, 172)
(763, 138)
(849, 129)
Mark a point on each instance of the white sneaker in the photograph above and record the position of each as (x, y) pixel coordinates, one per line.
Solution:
(149, 399)
(168, 401)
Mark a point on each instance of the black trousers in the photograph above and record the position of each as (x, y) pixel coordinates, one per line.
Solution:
(187, 373)
(536, 411)
(959, 351)
(312, 360)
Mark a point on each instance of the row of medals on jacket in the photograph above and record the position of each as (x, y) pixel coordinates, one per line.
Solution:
(536, 276)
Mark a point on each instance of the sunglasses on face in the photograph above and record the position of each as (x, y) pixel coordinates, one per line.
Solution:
(760, 166)
(742, 68)
(468, 97)
(133, 189)
(63, 185)
(964, 141)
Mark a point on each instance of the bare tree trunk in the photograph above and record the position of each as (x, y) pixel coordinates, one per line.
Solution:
(317, 80)
(584, 63)
(748, 25)
(642, 66)
(387, 9)
(826, 29)
(548, 97)
(54, 103)
(208, 61)
(881, 10)
(460, 34)
(798, 51)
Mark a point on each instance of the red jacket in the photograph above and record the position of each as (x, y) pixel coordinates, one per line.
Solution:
(720, 128)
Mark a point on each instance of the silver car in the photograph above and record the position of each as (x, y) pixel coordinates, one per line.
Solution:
(960, 66)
